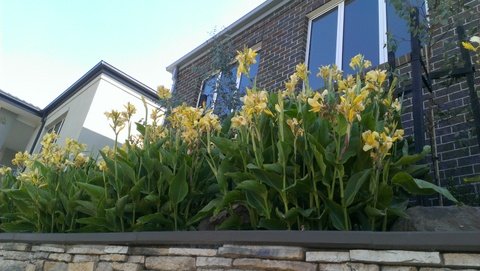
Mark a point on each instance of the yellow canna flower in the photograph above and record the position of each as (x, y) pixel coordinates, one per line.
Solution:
(20, 159)
(290, 85)
(245, 59)
(301, 71)
(370, 140)
(163, 93)
(398, 135)
(5, 170)
(255, 103)
(239, 121)
(467, 45)
(117, 120)
(102, 165)
(317, 102)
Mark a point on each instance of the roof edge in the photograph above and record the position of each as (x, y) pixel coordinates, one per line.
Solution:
(256, 14)
(20, 103)
(99, 68)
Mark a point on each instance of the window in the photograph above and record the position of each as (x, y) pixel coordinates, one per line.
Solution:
(56, 126)
(343, 28)
(221, 91)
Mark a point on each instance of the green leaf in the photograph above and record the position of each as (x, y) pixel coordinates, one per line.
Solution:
(178, 189)
(373, 212)
(204, 212)
(335, 214)
(272, 224)
(319, 158)
(96, 192)
(120, 205)
(355, 182)
(341, 127)
(419, 187)
(226, 146)
(410, 159)
(256, 195)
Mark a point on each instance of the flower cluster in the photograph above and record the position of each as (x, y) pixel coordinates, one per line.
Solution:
(255, 103)
(163, 93)
(193, 122)
(379, 144)
(245, 59)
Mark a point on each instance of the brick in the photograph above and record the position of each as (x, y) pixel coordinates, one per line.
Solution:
(269, 252)
(213, 262)
(49, 248)
(113, 257)
(462, 259)
(62, 257)
(327, 256)
(173, 263)
(273, 264)
(126, 267)
(443, 269)
(86, 266)
(192, 251)
(395, 256)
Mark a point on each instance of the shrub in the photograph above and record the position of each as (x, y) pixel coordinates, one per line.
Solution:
(295, 159)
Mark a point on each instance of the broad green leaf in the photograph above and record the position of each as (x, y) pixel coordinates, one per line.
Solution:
(204, 212)
(120, 205)
(96, 192)
(178, 189)
(272, 224)
(355, 182)
(269, 178)
(419, 187)
(373, 212)
(335, 213)
(410, 159)
(341, 127)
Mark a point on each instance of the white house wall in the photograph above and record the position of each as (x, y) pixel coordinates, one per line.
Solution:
(110, 95)
(74, 110)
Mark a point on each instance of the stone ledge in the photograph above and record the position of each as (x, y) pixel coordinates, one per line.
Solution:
(395, 257)
(268, 252)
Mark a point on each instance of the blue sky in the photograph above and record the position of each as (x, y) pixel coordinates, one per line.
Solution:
(45, 46)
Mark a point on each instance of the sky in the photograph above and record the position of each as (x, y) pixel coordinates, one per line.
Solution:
(45, 46)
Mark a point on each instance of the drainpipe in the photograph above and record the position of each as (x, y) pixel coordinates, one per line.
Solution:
(42, 125)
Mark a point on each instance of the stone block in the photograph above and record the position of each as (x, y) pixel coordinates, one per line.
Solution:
(395, 256)
(40, 255)
(347, 267)
(15, 246)
(256, 264)
(148, 251)
(213, 262)
(126, 267)
(192, 251)
(61, 257)
(104, 266)
(86, 266)
(399, 268)
(85, 258)
(268, 252)
(136, 259)
(113, 257)
(30, 267)
(49, 248)
(17, 255)
(443, 269)
(327, 256)
(116, 249)
(86, 249)
(462, 259)
(10, 265)
(172, 263)
(55, 266)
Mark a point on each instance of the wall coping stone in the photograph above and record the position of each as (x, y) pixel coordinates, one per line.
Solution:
(436, 241)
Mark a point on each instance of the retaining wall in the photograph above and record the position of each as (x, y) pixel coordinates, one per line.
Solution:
(242, 250)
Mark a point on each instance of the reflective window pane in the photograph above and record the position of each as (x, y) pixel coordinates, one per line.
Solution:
(360, 33)
(248, 82)
(323, 44)
(225, 91)
(208, 90)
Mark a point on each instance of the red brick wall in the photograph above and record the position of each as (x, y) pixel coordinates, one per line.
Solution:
(284, 37)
